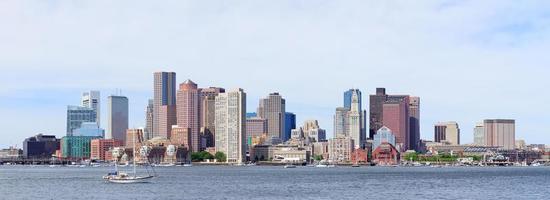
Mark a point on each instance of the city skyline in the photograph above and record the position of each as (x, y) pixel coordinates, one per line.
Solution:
(449, 58)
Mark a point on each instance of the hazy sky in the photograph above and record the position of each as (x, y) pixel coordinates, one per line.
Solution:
(467, 60)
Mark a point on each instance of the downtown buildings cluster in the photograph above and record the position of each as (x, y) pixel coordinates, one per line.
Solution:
(184, 119)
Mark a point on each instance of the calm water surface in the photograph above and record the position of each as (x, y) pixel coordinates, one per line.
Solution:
(223, 182)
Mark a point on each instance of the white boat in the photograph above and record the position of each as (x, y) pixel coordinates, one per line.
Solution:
(125, 178)
(321, 165)
(188, 165)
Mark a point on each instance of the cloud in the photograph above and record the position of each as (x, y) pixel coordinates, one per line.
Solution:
(467, 60)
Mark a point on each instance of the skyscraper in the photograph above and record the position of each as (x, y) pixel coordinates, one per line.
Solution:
(341, 123)
(290, 123)
(76, 115)
(348, 98)
(230, 125)
(396, 117)
(255, 127)
(479, 134)
(412, 106)
(164, 103)
(383, 135)
(188, 109)
(117, 117)
(414, 123)
(500, 132)
(376, 110)
(355, 120)
(208, 112)
(92, 99)
(447, 132)
(148, 131)
(272, 108)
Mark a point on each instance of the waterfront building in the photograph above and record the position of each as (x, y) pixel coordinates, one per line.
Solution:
(320, 149)
(11, 153)
(164, 103)
(40, 146)
(340, 149)
(230, 124)
(148, 131)
(281, 153)
(89, 129)
(76, 115)
(181, 136)
(500, 132)
(134, 135)
(359, 156)
(479, 134)
(100, 148)
(383, 135)
(272, 108)
(341, 123)
(396, 118)
(385, 154)
(208, 114)
(117, 117)
(76, 147)
(255, 127)
(188, 110)
(447, 132)
(290, 123)
(92, 99)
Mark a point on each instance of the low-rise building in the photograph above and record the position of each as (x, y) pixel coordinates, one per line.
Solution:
(340, 149)
(11, 152)
(76, 147)
(40, 146)
(385, 154)
(100, 148)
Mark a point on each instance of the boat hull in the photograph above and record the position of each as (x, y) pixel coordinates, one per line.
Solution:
(130, 180)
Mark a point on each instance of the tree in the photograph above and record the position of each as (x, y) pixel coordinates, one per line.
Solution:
(318, 157)
(220, 156)
(201, 156)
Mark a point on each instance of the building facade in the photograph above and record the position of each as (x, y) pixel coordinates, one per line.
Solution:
(396, 118)
(40, 146)
(447, 132)
(479, 134)
(208, 113)
(414, 123)
(181, 136)
(134, 135)
(341, 123)
(500, 132)
(340, 149)
(89, 129)
(76, 115)
(100, 148)
(384, 134)
(148, 131)
(117, 117)
(230, 125)
(188, 104)
(255, 127)
(272, 108)
(76, 147)
(164, 103)
(290, 123)
(92, 99)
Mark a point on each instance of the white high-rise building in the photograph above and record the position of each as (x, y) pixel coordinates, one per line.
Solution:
(354, 128)
(92, 99)
(341, 122)
(230, 123)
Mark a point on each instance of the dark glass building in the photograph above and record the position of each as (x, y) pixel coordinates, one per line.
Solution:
(40, 146)
(290, 123)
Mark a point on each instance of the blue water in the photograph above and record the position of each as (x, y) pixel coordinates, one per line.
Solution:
(261, 182)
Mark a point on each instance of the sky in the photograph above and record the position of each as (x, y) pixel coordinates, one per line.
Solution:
(466, 60)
